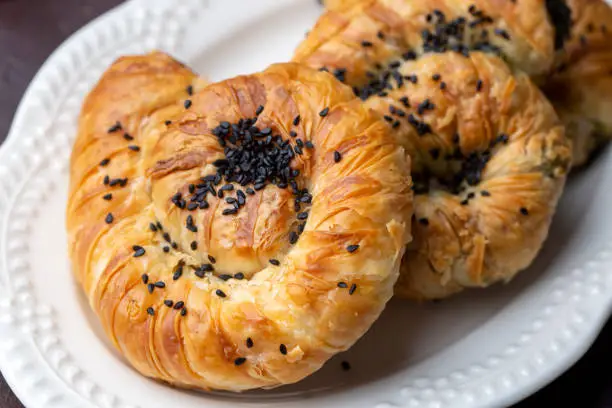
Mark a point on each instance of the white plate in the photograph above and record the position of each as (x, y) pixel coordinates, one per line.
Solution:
(485, 348)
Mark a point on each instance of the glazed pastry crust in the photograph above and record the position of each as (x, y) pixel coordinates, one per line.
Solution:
(581, 86)
(494, 225)
(336, 39)
(449, 111)
(365, 199)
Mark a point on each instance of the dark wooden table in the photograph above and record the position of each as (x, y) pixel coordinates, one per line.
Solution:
(31, 29)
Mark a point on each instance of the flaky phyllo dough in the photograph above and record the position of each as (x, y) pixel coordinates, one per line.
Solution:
(454, 81)
(237, 235)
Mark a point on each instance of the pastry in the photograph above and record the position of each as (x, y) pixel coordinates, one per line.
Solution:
(581, 85)
(489, 154)
(580, 81)
(364, 37)
(237, 235)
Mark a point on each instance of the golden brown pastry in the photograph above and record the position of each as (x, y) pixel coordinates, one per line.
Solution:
(489, 154)
(238, 235)
(581, 86)
(363, 37)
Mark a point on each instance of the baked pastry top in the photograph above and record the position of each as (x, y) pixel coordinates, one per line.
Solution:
(489, 153)
(235, 235)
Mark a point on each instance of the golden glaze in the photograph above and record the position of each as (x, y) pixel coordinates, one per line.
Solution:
(580, 88)
(365, 199)
(335, 40)
(489, 239)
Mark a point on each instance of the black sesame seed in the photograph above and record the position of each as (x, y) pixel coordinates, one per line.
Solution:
(366, 43)
(479, 85)
(340, 73)
(274, 262)
(183, 312)
(293, 237)
(152, 227)
(485, 193)
(239, 276)
(352, 248)
(524, 211)
(259, 109)
(104, 162)
(424, 221)
(138, 251)
(442, 85)
(409, 55)
(150, 287)
(220, 293)
(107, 197)
(151, 311)
(168, 303)
(352, 289)
(194, 245)
(109, 218)
(166, 249)
(187, 104)
(128, 137)
(293, 134)
(249, 342)
(225, 277)
(239, 361)
(464, 202)
(106, 179)
(309, 144)
(178, 272)
(179, 305)
(337, 156)
(174, 245)
(212, 259)
(190, 90)
(192, 206)
(502, 33)
(436, 77)
(160, 284)
(345, 365)
(342, 285)
(380, 35)
(229, 211)
(134, 148)
(283, 349)
(115, 128)
(168, 122)
(324, 112)
(302, 216)
(145, 278)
